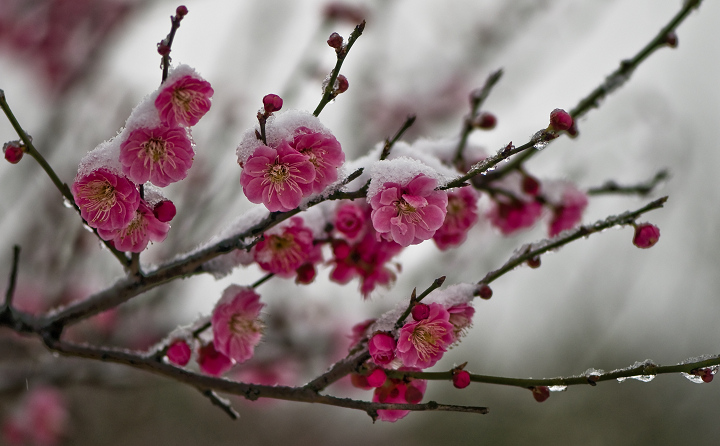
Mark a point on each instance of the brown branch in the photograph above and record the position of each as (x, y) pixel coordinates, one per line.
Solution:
(642, 189)
(391, 142)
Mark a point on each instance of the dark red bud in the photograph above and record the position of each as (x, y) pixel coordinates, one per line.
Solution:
(342, 84)
(671, 39)
(13, 152)
(534, 262)
(540, 393)
(560, 120)
(413, 395)
(272, 103)
(335, 41)
(420, 312)
(530, 185)
(305, 274)
(485, 121)
(646, 235)
(181, 11)
(485, 292)
(460, 379)
(165, 211)
(163, 49)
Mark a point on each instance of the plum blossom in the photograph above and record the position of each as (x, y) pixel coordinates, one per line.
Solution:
(106, 200)
(568, 212)
(142, 229)
(422, 343)
(235, 323)
(411, 213)
(211, 361)
(646, 235)
(323, 151)
(461, 319)
(461, 216)
(365, 259)
(284, 252)
(382, 348)
(399, 391)
(161, 155)
(184, 101)
(513, 215)
(350, 220)
(279, 178)
(41, 419)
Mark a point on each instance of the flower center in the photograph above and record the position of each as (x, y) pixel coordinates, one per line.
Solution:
(101, 196)
(425, 338)
(286, 251)
(182, 98)
(277, 173)
(155, 149)
(242, 326)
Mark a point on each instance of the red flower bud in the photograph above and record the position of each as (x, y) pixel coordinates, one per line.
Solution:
(560, 120)
(671, 39)
(646, 235)
(164, 211)
(534, 262)
(342, 84)
(460, 379)
(485, 121)
(530, 185)
(540, 393)
(420, 312)
(181, 11)
(485, 292)
(13, 152)
(335, 41)
(272, 103)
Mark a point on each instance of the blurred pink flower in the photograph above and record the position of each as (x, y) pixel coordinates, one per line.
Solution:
(278, 178)
(235, 323)
(142, 230)
(514, 215)
(42, 419)
(161, 155)
(211, 361)
(399, 392)
(409, 214)
(461, 318)
(568, 212)
(381, 347)
(422, 343)
(106, 200)
(323, 151)
(350, 220)
(184, 101)
(461, 216)
(283, 253)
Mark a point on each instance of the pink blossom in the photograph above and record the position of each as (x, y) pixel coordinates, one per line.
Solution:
(461, 318)
(179, 353)
(235, 323)
(350, 220)
(569, 212)
(514, 215)
(41, 419)
(365, 259)
(142, 229)
(382, 348)
(397, 391)
(377, 377)
(646, 235)
(211, 361)
(409, 214)
(283, 253)
(422, 343)
(358, 332)
(461, 216)
(184, 101)
(161, 155)
(278, 178)
(323, 151)
(106, 200)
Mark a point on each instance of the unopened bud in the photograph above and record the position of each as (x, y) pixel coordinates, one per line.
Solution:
(272, 103)
(181, 11)
(534, 262)
(485, 121)
(560, 120)
(376, 378)
(305, 274)
(460, 379)
(420, 312)
(646, 235)
(671, 39)
(530, 185)
(485, 292)
(335, 41)
(163, 48)
(540, 393)
(413, 395)
(13, 152)
(342, 84)
(165, 211)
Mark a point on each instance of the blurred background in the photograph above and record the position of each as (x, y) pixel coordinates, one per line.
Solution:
(72, 71)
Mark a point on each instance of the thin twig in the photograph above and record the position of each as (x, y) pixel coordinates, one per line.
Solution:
(330, 93)
(223, 404)
(167, 43)
(389, 143)
(642, 189)
(9, 294)
(437, 283)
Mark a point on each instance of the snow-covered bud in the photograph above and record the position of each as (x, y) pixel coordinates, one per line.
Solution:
(705, 374)
(420, 312)
(13, 152)
(163, 48)
(335, 41)
(646, 235)
(540, 393)
(485, 121)
(460, 379)
(485, 292)
(560, 120)
(272, 103)
(534, 262)
(164, 211)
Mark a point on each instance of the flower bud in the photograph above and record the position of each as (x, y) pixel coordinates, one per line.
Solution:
(335, 41)
(382, 348)
(359, 381)
(534, 262)
(342, 84)
(706, 374)
(540, 393)
(164, 211)
(179, 353)
(485, 121)
(560, 120)
(13, 152)
(181, 11)
(272, 103)
(460, 379)
(420, 312)
(530, 185)
(305, 274)
(163, 48)
(671, 39)
(485, 292)
(646, 235)
(376, 378)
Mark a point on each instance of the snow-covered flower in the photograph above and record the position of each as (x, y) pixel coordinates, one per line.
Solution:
(142, 229)
(278, 177)
(422, 343)
(461, 216)
(236, 326)
(323, 151)
(461, 318)
(106, 200)
(161, 155)
(184, 101)
(411, 213)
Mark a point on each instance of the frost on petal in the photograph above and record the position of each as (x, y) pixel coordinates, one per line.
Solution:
(410, 213)
(278, 178)
(183, 101)
(161, 155)
(142, 229)
(236, 326)
(285, 251)
(106, 200)
(422, 343)
(323, 151)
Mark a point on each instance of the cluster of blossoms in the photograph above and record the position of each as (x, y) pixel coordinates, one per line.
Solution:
(42, 418)
(156, 147)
